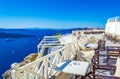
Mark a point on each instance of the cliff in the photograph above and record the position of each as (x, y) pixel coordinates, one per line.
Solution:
(27, 59)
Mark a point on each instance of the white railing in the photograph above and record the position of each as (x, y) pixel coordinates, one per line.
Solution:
(48, 41)
(42, 68)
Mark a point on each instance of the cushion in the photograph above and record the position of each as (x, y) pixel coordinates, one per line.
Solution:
(85, 55)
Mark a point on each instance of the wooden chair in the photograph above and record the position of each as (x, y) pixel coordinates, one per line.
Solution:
(115, 73)
(112, 52)
(85, 54)
(105, 77)
(117, 39)
(101, 45)
(96, 58)
(96, 64)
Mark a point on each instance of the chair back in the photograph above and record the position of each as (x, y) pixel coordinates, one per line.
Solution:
(117, 72)
(113, 48)
(86, 55)
(95, 59)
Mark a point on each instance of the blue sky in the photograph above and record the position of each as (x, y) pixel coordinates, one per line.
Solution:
(57, 13)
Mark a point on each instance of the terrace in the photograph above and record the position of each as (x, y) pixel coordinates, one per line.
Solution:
(91, 46)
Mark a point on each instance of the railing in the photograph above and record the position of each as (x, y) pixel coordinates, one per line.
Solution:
(48, 41)
(42, 68)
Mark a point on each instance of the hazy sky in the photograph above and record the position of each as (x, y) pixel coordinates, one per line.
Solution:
(57, 13)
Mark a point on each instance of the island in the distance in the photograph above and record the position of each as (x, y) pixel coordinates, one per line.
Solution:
(14, 35)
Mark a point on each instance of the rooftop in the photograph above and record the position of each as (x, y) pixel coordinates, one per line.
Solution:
(114, 19)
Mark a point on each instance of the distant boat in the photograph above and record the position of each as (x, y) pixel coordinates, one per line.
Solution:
(9, 39)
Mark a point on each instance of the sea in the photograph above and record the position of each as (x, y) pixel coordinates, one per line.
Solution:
(17, 49)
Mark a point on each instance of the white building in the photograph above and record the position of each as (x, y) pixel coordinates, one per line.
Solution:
(113, 25)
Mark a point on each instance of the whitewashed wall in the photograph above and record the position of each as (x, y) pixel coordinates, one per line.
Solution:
(113, 27)
(117, 29)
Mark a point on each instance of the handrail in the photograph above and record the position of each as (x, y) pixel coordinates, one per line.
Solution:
(43, 67)
(48, 41)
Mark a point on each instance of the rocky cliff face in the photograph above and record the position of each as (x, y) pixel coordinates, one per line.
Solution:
(27, 59)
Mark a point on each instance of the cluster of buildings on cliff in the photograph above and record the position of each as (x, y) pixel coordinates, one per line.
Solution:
(113, 25)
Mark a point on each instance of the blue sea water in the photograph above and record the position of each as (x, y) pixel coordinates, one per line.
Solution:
(16, 50)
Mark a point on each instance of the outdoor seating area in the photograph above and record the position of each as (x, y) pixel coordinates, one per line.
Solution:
(94, 32)
(109, 67)
(102, 56)
(113, 37)
(104, 61)
(89, 57)
(107, 71)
